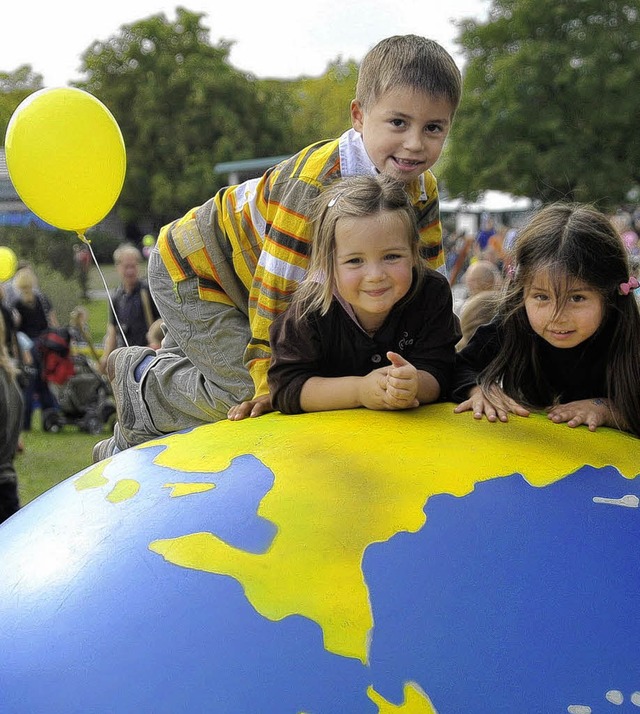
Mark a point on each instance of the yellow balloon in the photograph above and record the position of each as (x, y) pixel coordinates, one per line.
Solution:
(66, 157)
(8, 263)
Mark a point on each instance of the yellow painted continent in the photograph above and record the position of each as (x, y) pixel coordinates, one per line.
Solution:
(415, 701)
(344, 480)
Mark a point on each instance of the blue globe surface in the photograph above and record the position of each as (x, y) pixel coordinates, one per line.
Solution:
(346, 562)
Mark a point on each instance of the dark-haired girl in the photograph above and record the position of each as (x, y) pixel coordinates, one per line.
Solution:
(567, 333)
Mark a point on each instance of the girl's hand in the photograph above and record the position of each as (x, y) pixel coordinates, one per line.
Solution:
(494, 404)
(372, 389)
(251, 408)
(592, 412)
(402, 383)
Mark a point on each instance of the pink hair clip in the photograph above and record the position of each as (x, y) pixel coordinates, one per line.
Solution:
(626, 288)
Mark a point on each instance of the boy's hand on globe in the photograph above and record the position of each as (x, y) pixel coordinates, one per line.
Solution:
(251, 408)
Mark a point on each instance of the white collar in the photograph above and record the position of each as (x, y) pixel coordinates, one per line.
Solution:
(354, 160)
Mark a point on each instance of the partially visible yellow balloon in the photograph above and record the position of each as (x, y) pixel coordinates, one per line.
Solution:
(8, 263)
(66, 157)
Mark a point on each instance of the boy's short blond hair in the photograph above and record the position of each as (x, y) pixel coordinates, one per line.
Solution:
(408, 61)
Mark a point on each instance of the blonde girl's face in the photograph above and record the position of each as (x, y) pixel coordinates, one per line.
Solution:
(567, 320)
(373, 265)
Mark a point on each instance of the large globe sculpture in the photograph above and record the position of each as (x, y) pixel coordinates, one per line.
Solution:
(345, 562)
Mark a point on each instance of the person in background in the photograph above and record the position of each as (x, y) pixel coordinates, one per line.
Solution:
(478, 310)
(10, 331)
(134, 306)
(487, 229)
(82, 260)
(482, 275)
(155, 335)
(20, 358)
(10, 426)
(35, 315)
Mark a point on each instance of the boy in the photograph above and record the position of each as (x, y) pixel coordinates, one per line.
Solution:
(220, 274)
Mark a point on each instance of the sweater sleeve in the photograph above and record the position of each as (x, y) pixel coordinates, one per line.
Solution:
(295, 357)
(434, 348)
(473, 359)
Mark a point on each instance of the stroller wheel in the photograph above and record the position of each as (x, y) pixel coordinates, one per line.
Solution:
(52, 421)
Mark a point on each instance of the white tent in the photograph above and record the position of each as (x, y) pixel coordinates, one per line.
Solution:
(489, 202)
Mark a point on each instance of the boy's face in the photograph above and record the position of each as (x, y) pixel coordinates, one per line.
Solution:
(403, 132)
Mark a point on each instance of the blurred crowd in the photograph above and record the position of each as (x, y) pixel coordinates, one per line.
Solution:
(54, 367)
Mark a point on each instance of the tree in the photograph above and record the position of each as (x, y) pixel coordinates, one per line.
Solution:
(323, 102)
(182, 109)
(550, 103)
(14, 87)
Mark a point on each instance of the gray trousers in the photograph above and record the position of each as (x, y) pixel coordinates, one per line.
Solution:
(197, 374)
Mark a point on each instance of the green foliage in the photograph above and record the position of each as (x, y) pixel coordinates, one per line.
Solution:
(103, 244)
(53, 248)
(50, 254)
(322, 110)
(14, 87)
(550, 104)
(182, 109)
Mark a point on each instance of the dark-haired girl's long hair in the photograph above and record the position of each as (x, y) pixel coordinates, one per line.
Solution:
(571, 242)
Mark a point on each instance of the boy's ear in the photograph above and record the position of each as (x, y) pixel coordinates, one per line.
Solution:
(357, 116)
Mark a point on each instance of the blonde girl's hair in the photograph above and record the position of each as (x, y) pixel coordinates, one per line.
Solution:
(412, 62)
(353, 197)
(572, 242)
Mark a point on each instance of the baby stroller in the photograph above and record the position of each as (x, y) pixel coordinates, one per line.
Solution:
(84, 395)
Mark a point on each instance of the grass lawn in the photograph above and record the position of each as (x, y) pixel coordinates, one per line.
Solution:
(50, 458)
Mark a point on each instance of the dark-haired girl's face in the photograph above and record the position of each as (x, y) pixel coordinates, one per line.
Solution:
(567, 319)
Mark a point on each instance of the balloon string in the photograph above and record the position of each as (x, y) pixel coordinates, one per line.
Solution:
(87, 242)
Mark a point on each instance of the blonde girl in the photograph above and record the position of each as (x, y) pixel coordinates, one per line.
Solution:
(370, 325)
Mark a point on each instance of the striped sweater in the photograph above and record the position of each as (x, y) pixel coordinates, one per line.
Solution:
(249, 244)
